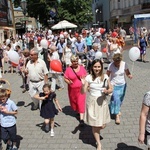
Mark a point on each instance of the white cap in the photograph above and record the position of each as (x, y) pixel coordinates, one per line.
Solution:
(61, 36)
(65, 33)
(97, 34)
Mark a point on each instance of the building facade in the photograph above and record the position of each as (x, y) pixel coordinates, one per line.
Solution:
(23, 23)
(7, 27)
(122, 12)
(101, 13)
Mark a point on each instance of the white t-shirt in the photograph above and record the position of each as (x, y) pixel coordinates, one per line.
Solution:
(146, 101)
(117, 75)
(96, 86)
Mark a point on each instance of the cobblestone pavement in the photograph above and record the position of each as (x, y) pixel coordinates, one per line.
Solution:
(68, 136)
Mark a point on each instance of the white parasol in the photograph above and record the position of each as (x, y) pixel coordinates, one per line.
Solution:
(63, 25)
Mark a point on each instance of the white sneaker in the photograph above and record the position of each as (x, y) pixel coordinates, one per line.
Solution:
(52, 133)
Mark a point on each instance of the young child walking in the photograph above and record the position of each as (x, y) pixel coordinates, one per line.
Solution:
(48, 109)
(8, 110)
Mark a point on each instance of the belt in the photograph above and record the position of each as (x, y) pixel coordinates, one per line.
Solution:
(36, 81)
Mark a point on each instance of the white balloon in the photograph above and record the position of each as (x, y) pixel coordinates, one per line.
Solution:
(44, 43)
(13, 56)
(98, 55)
(49, 32)
(7, 41)
(134, 53)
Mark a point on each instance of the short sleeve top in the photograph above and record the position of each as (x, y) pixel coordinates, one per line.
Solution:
(37, 71)
(146, 101)
(96, 86)
(51, 96)
(6, 119)
(117, 75)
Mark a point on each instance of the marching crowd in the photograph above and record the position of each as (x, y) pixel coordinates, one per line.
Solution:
(81, 56)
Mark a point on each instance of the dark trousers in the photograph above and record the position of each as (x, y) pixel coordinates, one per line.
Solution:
(9, 133)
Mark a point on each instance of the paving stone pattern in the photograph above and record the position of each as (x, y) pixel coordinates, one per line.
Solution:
(68, 135)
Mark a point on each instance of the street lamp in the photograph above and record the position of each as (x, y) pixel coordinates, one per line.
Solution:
(24, 10)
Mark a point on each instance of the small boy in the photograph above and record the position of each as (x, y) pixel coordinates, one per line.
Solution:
(8, 110)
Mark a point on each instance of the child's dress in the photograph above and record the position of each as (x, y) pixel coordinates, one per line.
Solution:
(48, 109)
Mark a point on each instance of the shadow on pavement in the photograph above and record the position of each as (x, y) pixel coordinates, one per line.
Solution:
(19, 138)
(123, 146)
(86, 134)
(30, 104)
(68, 111)
(42, 125)
(20, 103)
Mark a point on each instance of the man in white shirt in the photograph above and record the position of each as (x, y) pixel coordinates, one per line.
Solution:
(37, 74)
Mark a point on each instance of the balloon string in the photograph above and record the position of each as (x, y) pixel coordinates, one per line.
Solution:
(132, 67)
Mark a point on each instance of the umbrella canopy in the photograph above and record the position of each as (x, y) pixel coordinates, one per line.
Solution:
(63, 25)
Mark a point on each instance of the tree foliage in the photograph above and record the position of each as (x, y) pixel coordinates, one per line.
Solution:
(76, 11)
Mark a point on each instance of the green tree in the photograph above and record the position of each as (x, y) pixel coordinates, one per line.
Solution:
(76, 11)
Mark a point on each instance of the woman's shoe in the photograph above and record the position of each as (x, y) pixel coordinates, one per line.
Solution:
(81, 123)
(117, 119)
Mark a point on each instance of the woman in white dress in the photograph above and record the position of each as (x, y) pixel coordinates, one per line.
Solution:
(97, 111)
(67, 52)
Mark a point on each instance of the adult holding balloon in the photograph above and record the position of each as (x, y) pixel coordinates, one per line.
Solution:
(117, 71)
(55, 68)
(72, 77)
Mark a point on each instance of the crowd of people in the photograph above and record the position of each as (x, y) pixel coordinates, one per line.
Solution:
(79, 54)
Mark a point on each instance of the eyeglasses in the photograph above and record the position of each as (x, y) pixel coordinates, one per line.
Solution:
(2, 98)
(32, 54)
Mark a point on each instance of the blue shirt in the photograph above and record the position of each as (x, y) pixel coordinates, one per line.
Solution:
(91, 54)
(80, 46)
(60, 47)
(8, 120)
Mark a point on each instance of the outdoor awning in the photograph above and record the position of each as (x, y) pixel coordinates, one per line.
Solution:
(7, 28)
(137, 16)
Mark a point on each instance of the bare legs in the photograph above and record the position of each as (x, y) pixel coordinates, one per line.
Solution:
(118, 118)
(96, 132)
(48, 123)
(81, 116)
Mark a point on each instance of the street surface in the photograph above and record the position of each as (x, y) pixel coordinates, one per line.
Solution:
(68, 136)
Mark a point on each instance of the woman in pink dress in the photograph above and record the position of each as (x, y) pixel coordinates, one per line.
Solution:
(72, 77)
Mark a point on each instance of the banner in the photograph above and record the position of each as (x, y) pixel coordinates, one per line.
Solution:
(6, 17)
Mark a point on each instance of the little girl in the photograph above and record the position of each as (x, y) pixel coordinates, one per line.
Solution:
(48, 110)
